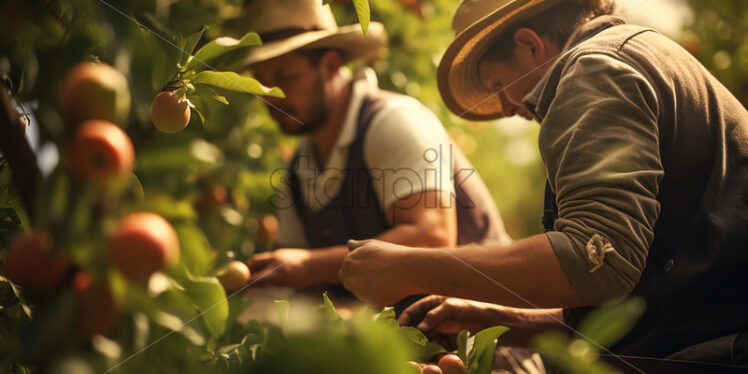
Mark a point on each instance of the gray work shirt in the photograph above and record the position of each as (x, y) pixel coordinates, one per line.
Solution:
(647, 154)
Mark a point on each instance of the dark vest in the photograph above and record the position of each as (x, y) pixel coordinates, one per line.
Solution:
(355, 212)
(695, 281)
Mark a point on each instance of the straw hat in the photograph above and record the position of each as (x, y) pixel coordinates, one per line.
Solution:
(476, 24)
(288, 25)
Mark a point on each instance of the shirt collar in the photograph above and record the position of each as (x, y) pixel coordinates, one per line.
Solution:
(582, 33)
(364, 82)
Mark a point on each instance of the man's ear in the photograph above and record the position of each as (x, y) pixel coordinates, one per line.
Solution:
(330, 63)
(530, 44)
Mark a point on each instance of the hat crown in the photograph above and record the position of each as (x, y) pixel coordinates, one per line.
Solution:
(270, 16)
(469, 12)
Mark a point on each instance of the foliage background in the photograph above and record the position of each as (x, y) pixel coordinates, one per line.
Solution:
(503, 151)
(238, 147)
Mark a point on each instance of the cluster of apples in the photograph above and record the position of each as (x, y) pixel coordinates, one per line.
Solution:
(95, 96)
(142, 244)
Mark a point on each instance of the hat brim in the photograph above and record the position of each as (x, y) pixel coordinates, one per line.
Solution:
(457, 74)
(349, 39)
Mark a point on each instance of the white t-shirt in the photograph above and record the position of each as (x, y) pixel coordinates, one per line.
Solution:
(406, 150)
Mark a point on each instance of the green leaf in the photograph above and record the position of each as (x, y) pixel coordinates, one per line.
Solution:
(484, 345)
(210, 299)
(177, 153)
(169, 42)
(52, 203)
(10, 225)
(606, 325)
(206, 92)
(282, 307)
(363, 13)
(176, 324)
(387, 313)
(190, 42)
(199, 109)
(238, 304)
(464, 346)
(169, 208)
(194, 249)
(424, 349)
(424, 353)
(570, 356)
(217, 47)
(9, 297)
(387, 317)
(174, 309)
(415, 335)
(13, 216)
(329, 309)
(235, 82)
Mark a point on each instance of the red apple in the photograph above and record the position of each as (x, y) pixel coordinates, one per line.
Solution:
(142, 244)
(96, 308)
(451, 364)
(95, 91)
(267, 231)
(33, 264)
(169, 112)
(101, 151)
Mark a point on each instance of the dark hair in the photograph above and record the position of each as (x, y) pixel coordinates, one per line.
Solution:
(557, 23)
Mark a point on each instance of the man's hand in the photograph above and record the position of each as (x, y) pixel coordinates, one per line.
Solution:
(288, 267)
(377, 272)
(442, 318)
(439, 316)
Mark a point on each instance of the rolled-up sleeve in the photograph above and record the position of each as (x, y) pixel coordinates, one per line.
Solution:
(599, 142)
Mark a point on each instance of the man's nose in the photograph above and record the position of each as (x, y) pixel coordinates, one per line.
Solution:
(507, 108)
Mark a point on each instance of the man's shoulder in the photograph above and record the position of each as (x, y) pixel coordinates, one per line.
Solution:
(403, 115)
(609, 39)
(391, 99)
(632, 44)
(614, 48)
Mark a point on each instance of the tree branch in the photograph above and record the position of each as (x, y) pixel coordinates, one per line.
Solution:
(17, 150)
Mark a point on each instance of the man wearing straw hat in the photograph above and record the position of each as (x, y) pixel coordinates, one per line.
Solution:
(370, 164)
(647, 162)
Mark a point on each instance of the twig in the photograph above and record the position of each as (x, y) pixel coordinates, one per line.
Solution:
(17, 150)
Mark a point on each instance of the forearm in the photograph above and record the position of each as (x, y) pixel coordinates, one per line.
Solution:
(526, 323)
(412, 235)
(325, 262)
(526, 274)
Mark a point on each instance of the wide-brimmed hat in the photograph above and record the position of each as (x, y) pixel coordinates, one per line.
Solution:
(476, 24)
(288, 25)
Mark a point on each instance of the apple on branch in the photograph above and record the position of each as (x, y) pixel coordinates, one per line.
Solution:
(169, 112)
